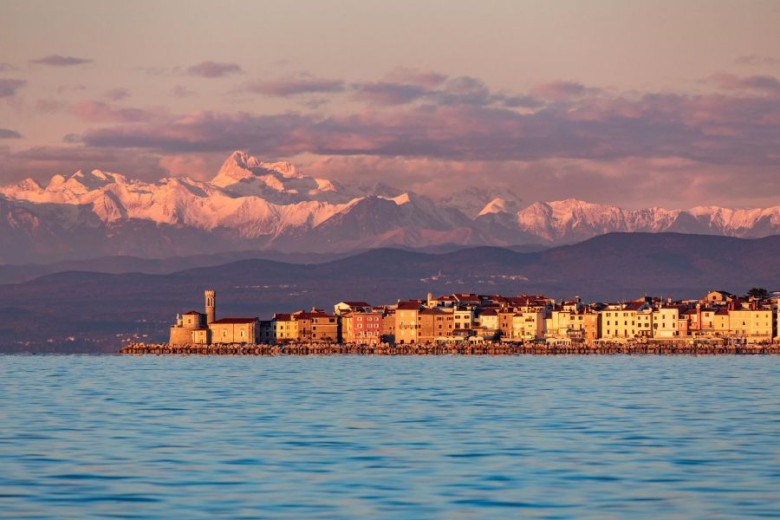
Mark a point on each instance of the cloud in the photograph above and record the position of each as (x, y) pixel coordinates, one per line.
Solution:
(5, 133)
(294, 86)
(410, 76)
(43, 161)
(768, 84)
(55, 60)
(386, 93)
(50, 105)
(116, 94)
(159, 71)
(559, 90)
(706, 128)
(189, 165)
(212, 69)
(6, 67)
(65, 89)
(563, 137)
(8, 87)
(757, 60)
(180, 91)
(101, 112)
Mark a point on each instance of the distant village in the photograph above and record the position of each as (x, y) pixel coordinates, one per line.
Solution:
(476, 318)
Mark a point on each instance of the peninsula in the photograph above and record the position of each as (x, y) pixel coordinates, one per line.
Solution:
(478, 324)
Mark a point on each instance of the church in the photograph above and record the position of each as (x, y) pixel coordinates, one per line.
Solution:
(196, 328)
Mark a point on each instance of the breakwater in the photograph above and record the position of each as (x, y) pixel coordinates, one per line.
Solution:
(457, 349)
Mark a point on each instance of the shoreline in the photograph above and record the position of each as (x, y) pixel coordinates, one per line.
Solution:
(458, 349)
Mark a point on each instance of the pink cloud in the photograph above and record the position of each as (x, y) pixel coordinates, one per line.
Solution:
(757, 60)
(768, 84)
(5, 133)
(8, 87)
(187, 165)
(212, 69)
(386, 93)
(410, 76)
(293, 86)
(56, 60)
(180, 91)
(116, 94)
(559, 90)
(100, 112)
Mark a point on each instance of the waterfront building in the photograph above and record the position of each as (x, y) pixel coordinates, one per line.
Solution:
(234, 330)
(362, 327)
(435, 324)
(751, 324)
(528, 325)
(284, 328)
(407, 325)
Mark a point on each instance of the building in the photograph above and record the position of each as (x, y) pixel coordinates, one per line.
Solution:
(528, 325)
(195, 328)
(284, 328)
(435, 324)
(234, 330)
(751, 324)
(352, 306)
(186, 327)
(362, 327)
(407, 325)
(317, 326)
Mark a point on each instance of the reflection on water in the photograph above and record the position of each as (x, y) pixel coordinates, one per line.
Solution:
(335, 437)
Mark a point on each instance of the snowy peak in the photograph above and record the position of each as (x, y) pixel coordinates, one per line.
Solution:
(497, 206)
(278, 182)
(256, 204)
(571, 220)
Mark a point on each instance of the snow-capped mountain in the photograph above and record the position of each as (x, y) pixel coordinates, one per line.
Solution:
(250, 204)
(573, 220)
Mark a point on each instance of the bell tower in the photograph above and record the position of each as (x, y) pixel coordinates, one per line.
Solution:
(211, 306)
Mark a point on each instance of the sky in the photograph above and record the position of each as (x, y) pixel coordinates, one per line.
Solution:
(626, 102)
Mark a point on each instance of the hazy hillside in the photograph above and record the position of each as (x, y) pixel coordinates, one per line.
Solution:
(94, 311)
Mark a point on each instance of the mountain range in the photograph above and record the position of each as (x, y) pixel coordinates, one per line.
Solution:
(255, 205)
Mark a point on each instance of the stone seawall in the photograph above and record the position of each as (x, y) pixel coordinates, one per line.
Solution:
(460, 349)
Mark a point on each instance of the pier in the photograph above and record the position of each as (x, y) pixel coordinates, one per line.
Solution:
(455, 349)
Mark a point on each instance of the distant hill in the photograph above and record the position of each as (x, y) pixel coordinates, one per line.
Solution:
(93, 308)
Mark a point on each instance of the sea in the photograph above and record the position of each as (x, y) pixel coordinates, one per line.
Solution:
(446, 437)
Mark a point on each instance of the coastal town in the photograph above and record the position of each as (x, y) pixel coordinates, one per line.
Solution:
(718, 318)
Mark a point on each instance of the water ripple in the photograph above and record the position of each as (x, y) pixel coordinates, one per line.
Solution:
(355, 437)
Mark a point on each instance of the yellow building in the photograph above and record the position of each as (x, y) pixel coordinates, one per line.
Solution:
(528, 325)
(751, 324)
(407, 324)
(234, 330)
(284, 328)
(665, 323)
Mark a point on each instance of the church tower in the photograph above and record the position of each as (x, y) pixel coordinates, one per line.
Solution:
(211, 306)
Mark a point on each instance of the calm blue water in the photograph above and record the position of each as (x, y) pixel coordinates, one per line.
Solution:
(357, 437)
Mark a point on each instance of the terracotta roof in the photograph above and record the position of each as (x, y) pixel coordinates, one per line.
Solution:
(311, 315)
(227, 321)
(435, 310)
(489, 312)
(356, 304)
(189, 313)
(412, 305)
(282, 317)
